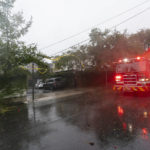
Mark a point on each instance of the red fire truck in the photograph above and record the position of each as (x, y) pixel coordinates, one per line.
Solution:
(133, 75)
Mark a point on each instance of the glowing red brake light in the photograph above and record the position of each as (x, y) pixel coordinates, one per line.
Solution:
(118, 78)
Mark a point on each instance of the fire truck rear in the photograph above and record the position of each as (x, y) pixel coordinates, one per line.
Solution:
(132, 75)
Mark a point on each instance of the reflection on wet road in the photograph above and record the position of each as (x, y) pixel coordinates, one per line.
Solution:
(91, 121)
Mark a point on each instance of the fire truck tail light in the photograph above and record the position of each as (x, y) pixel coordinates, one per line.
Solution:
(118, 78)
(147, 79)
(138, 58)
(120, 61)
(126, 60)
(144, 79)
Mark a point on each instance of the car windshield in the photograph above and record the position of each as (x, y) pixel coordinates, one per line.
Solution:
(131, 67)
(50, 80)
(58, 79)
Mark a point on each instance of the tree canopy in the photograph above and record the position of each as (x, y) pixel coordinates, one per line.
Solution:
(104, 48)
(14, 52)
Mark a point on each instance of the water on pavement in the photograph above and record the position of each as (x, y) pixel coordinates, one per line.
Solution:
(92, 121)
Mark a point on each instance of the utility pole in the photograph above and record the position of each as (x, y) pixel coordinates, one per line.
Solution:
(33, 82)
(33, 96)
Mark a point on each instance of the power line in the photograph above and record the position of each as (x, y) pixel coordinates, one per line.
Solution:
(126, 20)
(103, 22)
(71, 47)
(141, 12)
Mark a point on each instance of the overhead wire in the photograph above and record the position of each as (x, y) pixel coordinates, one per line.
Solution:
(141, 12)
(71, 47)
(126, 20)
(103, 22)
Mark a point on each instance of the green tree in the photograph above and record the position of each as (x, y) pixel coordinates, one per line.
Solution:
(104, 48)
(13, 51)
(12, 26)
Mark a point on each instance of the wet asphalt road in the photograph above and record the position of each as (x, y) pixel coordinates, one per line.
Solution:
(98, 120)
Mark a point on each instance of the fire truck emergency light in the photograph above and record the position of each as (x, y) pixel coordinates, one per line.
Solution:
(138, 58)
(118, 77)
(120, 61)
(126, 60)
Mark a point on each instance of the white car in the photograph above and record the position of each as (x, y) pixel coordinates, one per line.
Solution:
(39, 85)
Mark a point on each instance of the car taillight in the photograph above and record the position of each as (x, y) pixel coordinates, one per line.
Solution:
(118, 78)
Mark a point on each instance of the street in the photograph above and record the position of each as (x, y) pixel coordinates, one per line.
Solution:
(98, 119)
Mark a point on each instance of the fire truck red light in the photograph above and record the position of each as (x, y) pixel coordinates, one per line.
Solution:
(120, 61)
(138, 58)
(118, 77)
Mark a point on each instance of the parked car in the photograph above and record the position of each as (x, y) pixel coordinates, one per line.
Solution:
(39, 84)
(54, 83)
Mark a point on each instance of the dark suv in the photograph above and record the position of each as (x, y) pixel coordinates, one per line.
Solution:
(54, 83)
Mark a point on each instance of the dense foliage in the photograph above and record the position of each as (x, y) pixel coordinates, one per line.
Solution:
(14, 53)
(104, 48)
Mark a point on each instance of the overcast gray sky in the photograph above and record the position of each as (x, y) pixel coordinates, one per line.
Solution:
(54, 20)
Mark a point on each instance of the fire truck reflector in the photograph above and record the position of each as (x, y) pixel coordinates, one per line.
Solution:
(134, 89)
(121, 88)
(141, 89)
(114, 88)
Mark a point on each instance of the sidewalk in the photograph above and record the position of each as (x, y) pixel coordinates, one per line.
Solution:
(59, 94)
(52, 97)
